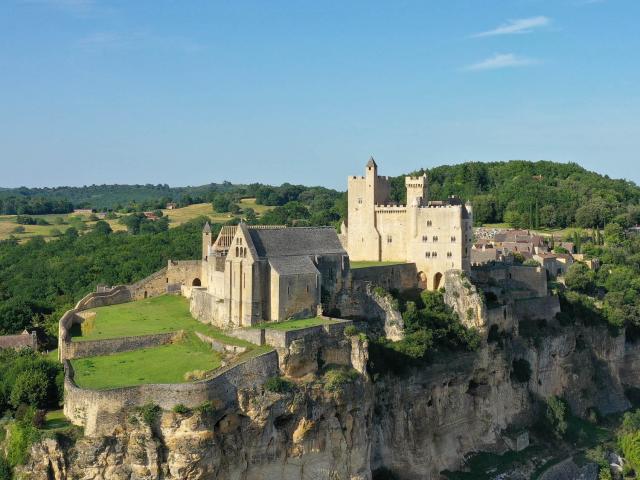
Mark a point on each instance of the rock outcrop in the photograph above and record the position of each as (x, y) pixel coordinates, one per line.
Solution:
(414, 424)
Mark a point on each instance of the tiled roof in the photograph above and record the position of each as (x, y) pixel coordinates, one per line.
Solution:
(17, 341)
(296, 241)
(293, 265)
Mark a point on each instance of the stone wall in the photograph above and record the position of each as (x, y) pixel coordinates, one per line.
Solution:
(104, 297)
(113, 296)
(219, 346)
(537, 308)
(184, 272)
(100, 411)
(151, 286)
(93, 348)
(519, 281)
(170, 278)
(403, 276)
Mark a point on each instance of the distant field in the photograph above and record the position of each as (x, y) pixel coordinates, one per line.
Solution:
(251, 203)
(372, 264)
(163, 364)
(296, 324)
(166, 313)
(177, 217)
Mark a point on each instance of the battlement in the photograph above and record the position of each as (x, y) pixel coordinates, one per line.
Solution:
(386, 178)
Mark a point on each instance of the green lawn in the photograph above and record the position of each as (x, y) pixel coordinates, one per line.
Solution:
(163, 364)
(162, 314)
(366, 264)
(295, 324)
(55, 420)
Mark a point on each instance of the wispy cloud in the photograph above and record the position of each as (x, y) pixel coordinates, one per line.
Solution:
(502, 60)
(521, 25)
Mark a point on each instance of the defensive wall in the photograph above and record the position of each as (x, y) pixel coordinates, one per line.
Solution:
(166, 280)
(530, 301)
(98, 411)
(94, 348)
(403, 276)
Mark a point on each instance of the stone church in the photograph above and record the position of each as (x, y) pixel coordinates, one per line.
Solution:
(253, 274)
(435, 235)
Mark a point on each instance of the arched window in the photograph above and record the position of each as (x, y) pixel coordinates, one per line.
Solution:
(196, 282)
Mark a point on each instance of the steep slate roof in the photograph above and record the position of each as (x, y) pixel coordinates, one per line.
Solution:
(371, 162)
(294, 241)
(293, 265)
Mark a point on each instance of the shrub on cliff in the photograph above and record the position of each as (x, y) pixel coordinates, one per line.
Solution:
(556, 416)
(336, 378)
(278, 385)
(150, 413)
(22, 433)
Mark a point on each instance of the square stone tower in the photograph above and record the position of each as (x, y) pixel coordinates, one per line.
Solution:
(435, 235)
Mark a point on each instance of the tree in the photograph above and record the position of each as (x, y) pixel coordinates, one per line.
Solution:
(484, 209)
(613, 234)
(580, 278)
(594, 213)
(31, 388)
(102, 228)
(221, 204)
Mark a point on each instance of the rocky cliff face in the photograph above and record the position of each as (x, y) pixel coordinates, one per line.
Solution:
(416, 424)
(306, 433)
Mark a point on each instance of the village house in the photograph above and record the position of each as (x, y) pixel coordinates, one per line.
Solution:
(23, 340)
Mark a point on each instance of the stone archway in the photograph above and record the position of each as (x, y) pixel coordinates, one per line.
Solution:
(196, 282)
(437, 279)
(422, 280)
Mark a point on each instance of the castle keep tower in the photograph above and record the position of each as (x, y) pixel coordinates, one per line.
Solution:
(435, 235)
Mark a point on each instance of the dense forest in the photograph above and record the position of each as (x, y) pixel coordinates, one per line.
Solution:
(520, 193)
(39, 279)
(532, 194)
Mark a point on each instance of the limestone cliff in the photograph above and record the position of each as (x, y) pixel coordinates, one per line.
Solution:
(415, 424)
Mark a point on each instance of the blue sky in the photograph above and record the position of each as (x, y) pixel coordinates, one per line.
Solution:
(192, 92)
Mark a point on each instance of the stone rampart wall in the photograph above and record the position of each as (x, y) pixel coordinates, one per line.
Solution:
(119, 294)
(93, 348)
(151, 286)
(400, 277)
(284, 338)
(184, 272)
(100, 411)
(253, 335)
(537, 308)
(168, 279)
(219, 346)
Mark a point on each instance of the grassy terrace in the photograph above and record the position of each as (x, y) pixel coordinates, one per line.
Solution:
(166, 313)
(365, 264)
(163, 364)
(295, 324)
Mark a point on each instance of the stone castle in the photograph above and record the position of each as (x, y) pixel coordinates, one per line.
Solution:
(435, 235)
(254, 274)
